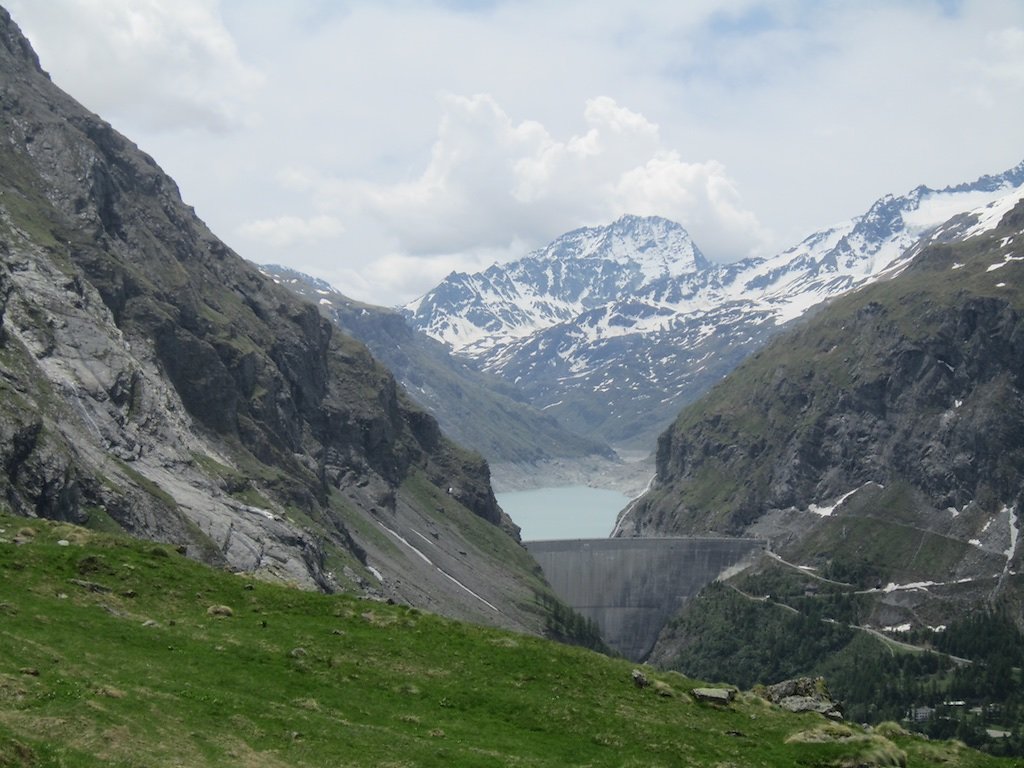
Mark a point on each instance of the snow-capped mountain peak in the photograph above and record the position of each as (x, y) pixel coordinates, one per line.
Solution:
(615, 328)
(659, 247)
(577, 272)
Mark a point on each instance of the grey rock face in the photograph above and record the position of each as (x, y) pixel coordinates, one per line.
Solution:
(881, 441)
(480, 411)
(939, 411)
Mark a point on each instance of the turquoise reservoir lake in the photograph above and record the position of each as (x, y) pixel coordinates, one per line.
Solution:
(572, 512)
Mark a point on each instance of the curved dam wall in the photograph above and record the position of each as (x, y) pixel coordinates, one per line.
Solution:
(631, 587)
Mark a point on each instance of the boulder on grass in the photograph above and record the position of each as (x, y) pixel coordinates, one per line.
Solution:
(804, 694)
(714, 695)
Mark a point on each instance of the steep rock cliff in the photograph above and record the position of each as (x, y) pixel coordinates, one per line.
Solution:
(476, 409)
(882, 440)
(154, 380)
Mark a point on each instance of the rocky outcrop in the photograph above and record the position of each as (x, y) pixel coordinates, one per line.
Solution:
(803, 694)
(154, 380)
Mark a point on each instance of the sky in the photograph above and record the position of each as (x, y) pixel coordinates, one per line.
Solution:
(381, 144)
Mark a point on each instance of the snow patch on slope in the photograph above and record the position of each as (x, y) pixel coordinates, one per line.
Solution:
(990, 216)
(1011, 551)
(827, 510)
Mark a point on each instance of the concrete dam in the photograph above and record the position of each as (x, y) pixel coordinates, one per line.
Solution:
(631, 587)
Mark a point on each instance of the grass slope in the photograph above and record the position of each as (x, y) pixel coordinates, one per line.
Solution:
(118, 652)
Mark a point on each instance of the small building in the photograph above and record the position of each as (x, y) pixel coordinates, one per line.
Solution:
(921, 714)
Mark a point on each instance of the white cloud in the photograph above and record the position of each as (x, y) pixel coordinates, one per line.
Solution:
(159, 65)
(401, 274)
(933, 211)
(491, 181)
(999, 69)
(700, 194)
(286, 231)
(734, 117)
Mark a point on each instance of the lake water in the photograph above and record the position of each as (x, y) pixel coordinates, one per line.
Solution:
(572, 512)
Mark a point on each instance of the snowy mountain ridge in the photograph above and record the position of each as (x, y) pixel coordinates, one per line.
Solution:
(615, 328)
(578, 272)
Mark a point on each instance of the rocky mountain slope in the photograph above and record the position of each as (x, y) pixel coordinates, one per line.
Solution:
(881, 442)
(478, 410)
(613, 329)
(153, 381)
(879, 447)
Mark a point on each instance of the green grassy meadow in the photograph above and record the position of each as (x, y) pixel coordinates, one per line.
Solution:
(117, 652)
